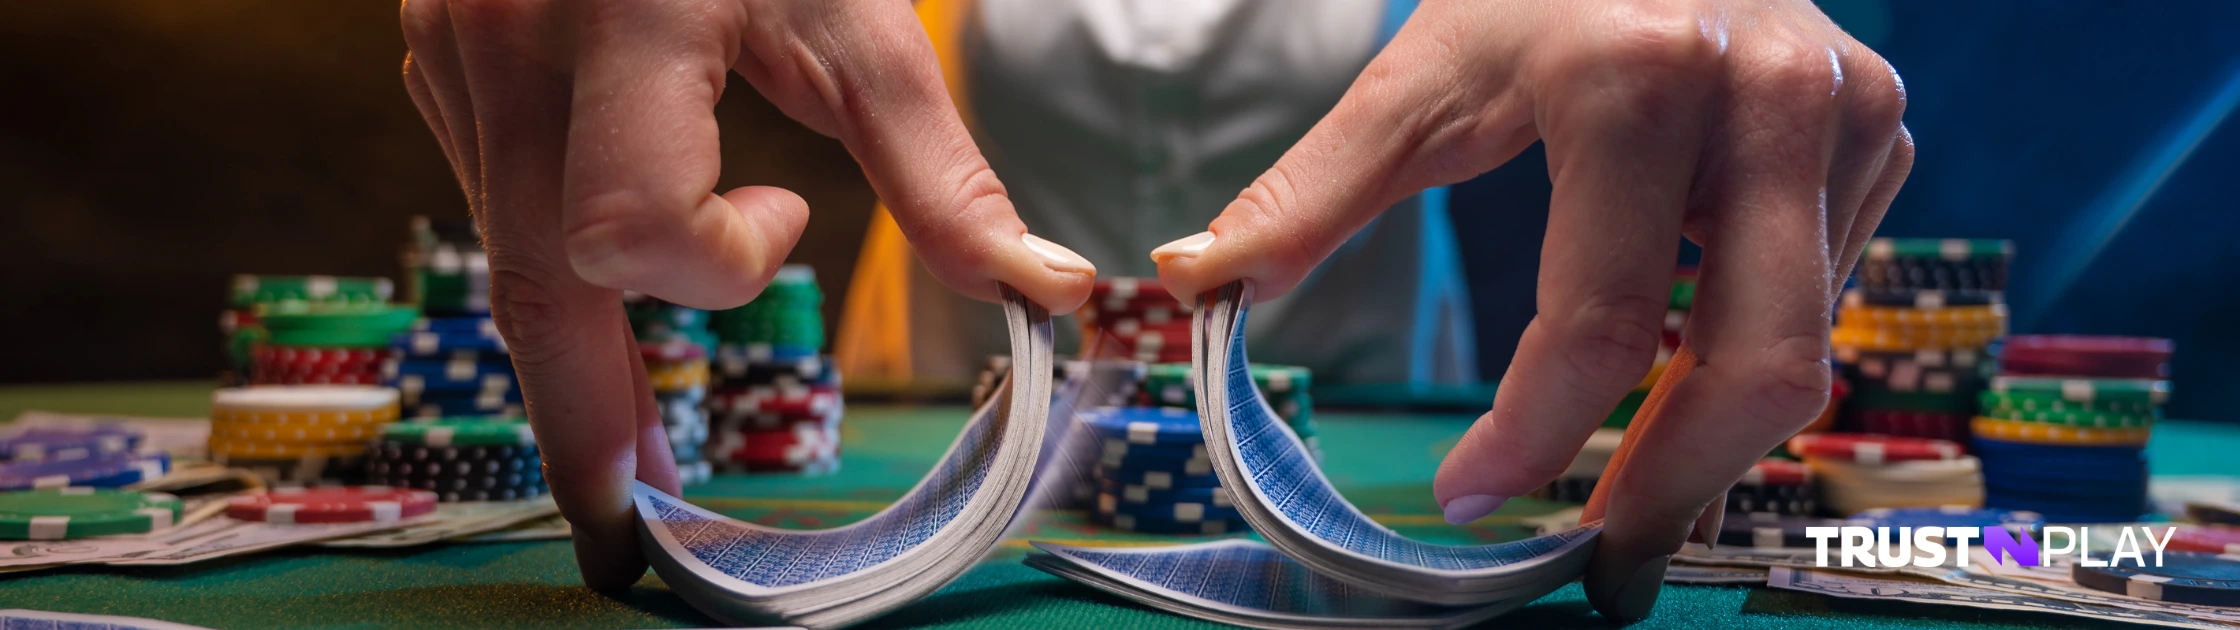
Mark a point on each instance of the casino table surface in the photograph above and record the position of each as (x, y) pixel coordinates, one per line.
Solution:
(1382, 461)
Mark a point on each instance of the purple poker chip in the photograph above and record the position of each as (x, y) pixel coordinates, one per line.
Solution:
(101, 471)
(60, 443)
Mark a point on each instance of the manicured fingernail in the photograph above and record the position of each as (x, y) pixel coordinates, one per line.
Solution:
(1057, 257)
(1471, 507)
(1633, 599)
(1708, 523)
(1186, 247)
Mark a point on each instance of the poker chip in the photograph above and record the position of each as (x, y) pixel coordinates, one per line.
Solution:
(460, 432)
(469, 373)
(63, 513)
(1145, 425)
(1762, 530)
(301, 433)
(2084, 355)
(2181, 578)
(251, 290)
(1121, 447)
(1796, 500)
(1903, 339)
(43, 443)
(332, 504)
(1153, 525)
(110, 470)
(2065, 482)
(1919, 298)
(1178, 511)
(807, 370)
(482, 326)
(304, 400)
(2046, 433)
(2210, 540)
(2028, 402)
(672, 376)
(235, 447)
(1776, 472)
(2086, 390)
(1191, 466)
(1892, 248)
(1948, 516)
(1872, 449)
(426, 344)
(2074, 418)
(1952, 427)
(786, 320)
(459, 473)
(1958, 316)
(672, 350)
(1133, 493)
(1158, 479)
(818, 401)
(501, 404)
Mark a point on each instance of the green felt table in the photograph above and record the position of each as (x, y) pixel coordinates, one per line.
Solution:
(1383, 462)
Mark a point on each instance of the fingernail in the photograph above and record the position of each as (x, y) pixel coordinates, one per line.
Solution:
(1471, 507)
(1633, 599)
(1057, 257)
(1708, 523)
(1186, 247)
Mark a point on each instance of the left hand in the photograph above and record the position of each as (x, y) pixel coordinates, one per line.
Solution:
(1758, 130)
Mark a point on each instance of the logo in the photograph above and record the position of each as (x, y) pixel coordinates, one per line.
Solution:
(1871, 547)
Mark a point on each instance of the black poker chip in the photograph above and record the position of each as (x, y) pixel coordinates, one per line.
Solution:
(1920, 298)
(1568, 490)
(459, 473)
(2183, 577)
(1971, 274)
(1766, 530)
(1792, 500)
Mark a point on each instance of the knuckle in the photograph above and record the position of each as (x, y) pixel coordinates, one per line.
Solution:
(1788, 383)
(1794, 75)
(613, 237)
(1660, 43)
(1265, 207)
(1614, 339)
(532, 317)
(1880, 103)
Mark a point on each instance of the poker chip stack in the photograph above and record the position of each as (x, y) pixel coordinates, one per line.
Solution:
(1134, 318)
(460, 459)
(447, 272)
(1153, 475)
(1777, 486)
(657, 321)
(308, 330)
(2073, 449)
(77, 512)
(1912, 336)
(775, 406)
(1578, 480)
(298, 435)
(1284, 387)
(678, 371)
(453, 366)
(96, 456)
(1862, 471)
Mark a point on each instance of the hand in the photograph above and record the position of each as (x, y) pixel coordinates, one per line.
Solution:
(1758, 130)
(584, 136)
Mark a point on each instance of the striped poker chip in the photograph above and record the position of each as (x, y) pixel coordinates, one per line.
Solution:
(1776, 472)
(332, 504)
(1872, 449)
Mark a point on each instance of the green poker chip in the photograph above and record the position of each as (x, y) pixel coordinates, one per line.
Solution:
(461, 432)
(2074, 418)
(2086, 390)
(251, 290)
(1887, 248)
(385, 318)
(2043, 402)
(59, 513)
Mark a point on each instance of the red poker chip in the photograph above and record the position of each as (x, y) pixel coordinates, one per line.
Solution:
(1872, 449)
(332, 504)
(2206, 539)
(1917, 424)
(790, 400)
(671, 351)
(313, 356)
(2087, 356)
(354, 378)
(1776, 472)
(801, 445)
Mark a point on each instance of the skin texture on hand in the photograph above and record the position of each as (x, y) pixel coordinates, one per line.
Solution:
(584, 137)
(1758, 130)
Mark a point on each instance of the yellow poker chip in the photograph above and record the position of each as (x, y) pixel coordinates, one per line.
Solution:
(2047, 433)
(1877, 340)
(1989, 315)
(671, 376)
(235, 447)
(304, 416)
(296, 433)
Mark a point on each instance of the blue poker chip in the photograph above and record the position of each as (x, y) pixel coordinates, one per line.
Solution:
(1158, 479)
(442, 345)
(105, 471)
(1191, 466)
(1948, 516)
(1133, 493)
(437, 375)
(1151, 525)
(2183, 577)
(44, 443)
(1145, 425)
(464, 325)
(1181, 512)
(1121, 447)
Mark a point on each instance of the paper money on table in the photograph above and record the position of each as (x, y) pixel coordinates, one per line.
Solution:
(455, 521)
(552, 527)
(224, 537)
(1853, 586)
(1247, 583)
(1692, 574)
(1288, 501)
(744, 573)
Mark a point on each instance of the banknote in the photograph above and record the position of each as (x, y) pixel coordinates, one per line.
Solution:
(1888, 588)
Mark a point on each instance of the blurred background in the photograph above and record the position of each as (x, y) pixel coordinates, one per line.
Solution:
(149, 149)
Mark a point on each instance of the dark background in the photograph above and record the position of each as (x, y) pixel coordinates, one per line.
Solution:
(151, 148)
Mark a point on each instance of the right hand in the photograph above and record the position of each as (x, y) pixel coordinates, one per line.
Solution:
(584, 135)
